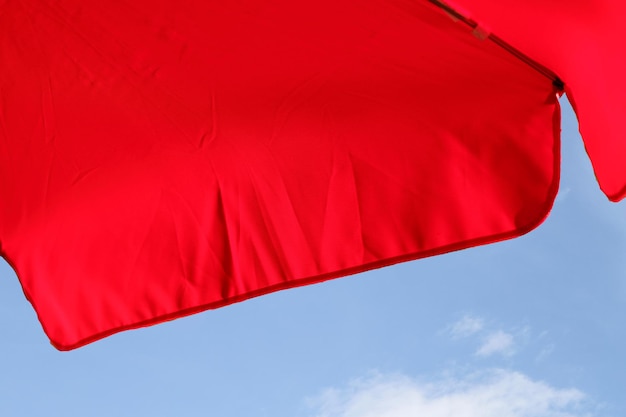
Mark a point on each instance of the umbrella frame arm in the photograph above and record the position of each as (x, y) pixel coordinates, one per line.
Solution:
(483, 34)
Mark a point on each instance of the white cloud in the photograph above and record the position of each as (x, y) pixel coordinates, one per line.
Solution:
(466, 326)
(490, 340)
(495, 393)
(499, 342)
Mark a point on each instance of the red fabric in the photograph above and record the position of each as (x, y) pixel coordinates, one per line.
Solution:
(162, 158)
(583, 41)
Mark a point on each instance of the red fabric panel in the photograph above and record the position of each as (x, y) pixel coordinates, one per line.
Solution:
(162, 158)
(583, 41)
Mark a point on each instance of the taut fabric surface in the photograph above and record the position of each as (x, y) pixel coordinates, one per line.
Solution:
(162, 158)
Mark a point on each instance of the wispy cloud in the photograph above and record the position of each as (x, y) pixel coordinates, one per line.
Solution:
(563, 193)
(467, 326)
(494, 393)
(492, 341)
(497, 343)
(545, 352)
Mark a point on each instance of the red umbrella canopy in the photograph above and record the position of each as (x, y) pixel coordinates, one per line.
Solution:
(158, 159)
(582, 41)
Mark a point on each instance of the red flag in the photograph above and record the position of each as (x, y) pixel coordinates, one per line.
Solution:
(162, 158)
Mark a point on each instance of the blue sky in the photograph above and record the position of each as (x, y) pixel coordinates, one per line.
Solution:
(529, 327)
